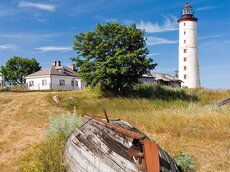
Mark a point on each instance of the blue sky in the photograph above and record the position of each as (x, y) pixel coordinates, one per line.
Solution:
(45, 29)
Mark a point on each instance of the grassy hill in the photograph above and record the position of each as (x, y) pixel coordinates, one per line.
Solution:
(24, 117)
(191, 125)
(196, 127)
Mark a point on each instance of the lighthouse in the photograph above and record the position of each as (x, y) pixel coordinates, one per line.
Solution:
(188, 50)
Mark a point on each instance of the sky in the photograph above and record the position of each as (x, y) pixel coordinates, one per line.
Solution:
(45, 30)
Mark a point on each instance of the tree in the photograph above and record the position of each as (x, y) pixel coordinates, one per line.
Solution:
(16, 68)
(112, 56)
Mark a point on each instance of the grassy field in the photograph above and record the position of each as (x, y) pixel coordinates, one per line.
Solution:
(197, 128)
(23, 116)
(192, 126)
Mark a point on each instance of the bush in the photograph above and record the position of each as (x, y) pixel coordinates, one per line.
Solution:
(152, 91)
(48, 155)
(15, 88)
(185, 162)
(63, 126)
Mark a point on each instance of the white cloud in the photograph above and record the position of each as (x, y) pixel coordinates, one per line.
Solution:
(30, 37)
(7, 47)
(156, 41)
(40, 6)
(104, 19)
(153, 54)
(218, 76)
(88, 6)
(205, 8)
(54, 48)
(215, 67)
(170, 24)
(213, 36)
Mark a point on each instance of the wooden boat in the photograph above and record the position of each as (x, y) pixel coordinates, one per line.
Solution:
(101, 145)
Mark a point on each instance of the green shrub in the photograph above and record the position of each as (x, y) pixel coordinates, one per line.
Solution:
(152, 91)
(185, 162)
(15, 88)
(63, 126)
(48, 155)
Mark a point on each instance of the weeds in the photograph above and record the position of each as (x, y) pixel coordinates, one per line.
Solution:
(151, 91)
(62, 126)
(16, 88)
(48, 155)
(191, 126)
(185, 162)
(196, 127)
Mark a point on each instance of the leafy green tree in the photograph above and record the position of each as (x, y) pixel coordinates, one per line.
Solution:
(112, 56)
(16, 68)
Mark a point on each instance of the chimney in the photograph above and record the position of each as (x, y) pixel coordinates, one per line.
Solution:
(54, 63)
(73, 67)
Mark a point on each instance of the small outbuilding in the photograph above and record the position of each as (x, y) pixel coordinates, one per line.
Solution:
(161, 79)
(56, 77)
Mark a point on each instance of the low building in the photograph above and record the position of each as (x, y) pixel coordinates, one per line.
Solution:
(56, 77)
(2, 81)
(161, 79)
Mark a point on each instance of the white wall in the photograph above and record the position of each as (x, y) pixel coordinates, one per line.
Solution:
(68, 86)
(53, 82)
(191, 63)
(1, 78)
(38, 83)
(2, 82)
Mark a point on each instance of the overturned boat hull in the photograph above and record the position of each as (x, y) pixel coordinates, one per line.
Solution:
(96, 147)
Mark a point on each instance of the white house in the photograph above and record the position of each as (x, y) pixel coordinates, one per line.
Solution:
(56, 77)
(2, 81)
(162, 79)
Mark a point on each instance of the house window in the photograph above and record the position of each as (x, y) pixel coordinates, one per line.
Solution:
(72, 83)
(185, 59)
(44, 82)
(185, 67)
(185, 51)
(185, 76)
(184, 33)
(76, 83)
(62, 82)
(31, 83)
(185, 41)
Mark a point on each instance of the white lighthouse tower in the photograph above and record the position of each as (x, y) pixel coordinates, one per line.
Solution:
(188, 52)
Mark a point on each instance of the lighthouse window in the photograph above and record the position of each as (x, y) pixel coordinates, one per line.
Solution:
(185, 59)
(185, 41)
(185, 76)
(185, 67)
(184, 33)
(185, 51)
(184, 24)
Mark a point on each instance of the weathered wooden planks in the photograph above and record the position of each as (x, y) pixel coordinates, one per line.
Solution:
(96, 147)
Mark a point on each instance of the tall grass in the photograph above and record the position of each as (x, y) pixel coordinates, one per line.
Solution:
(179, 120)
(151, 91)
(15, 88)
(48, 155)
(188, 123)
